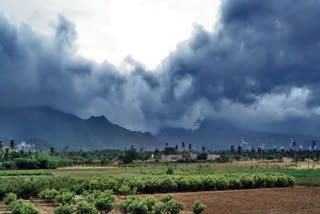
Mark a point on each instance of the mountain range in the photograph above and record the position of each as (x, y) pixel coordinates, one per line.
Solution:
(59, 129)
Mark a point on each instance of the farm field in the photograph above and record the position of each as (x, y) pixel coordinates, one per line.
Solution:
(238, 187)
(297, 200)
(303, 175)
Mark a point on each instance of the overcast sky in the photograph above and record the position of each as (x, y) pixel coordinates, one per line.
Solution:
(113, 29)
(148, 64)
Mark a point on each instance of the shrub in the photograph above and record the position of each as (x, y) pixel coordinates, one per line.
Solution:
(65, 198)
(85, 207)
(198, 207)
(134, 205)
(21, 207)
(150, 202)
(169, 171)
(48, 194)
(64, 209)
(9, 198)
(166, 198)
(174, 207)
(103, 201)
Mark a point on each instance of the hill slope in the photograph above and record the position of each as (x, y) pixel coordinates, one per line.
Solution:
(60, 129)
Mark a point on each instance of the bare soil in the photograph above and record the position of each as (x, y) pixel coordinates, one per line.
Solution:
(297, 200)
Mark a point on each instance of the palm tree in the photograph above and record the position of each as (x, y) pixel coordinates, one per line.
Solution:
(183, 145)
(190, 147)
(12, 145)
(12, 148)
(52, 151)
(203, 149)
(1, 147)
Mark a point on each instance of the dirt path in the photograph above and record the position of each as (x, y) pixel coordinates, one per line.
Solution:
(298, 200)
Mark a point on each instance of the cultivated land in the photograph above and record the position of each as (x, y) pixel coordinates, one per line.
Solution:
(299, 199)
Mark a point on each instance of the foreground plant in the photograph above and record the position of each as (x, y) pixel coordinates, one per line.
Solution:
(136, 205)
(48, 194)
(64, 209)
(85, 207)
(9, 198)
(198, 207)
(22, 207)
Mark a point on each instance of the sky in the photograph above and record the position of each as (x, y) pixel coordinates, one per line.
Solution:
(147, 64)
(114, 29)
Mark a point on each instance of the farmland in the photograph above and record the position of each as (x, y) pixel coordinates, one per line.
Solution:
(217, 185)
(65, 185)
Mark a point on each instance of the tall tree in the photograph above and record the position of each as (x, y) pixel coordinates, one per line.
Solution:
(12, 145)
(52, 151)
(183, 145)
(203, 149)
(12, 148)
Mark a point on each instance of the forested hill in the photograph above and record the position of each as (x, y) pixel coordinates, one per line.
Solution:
(60, 129)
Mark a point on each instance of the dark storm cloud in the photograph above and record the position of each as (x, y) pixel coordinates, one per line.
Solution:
(260, 48)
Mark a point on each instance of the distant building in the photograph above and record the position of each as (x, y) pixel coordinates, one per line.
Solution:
(212, 157)
(171, 157)
(287, 160)
(23, 146)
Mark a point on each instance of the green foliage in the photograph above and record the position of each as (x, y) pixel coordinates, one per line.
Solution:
(166, 198)
(202, 156)
(66, 197)
(48, 194)
(25, 187)
(64, 209)
(23, 173)
(169, 171)
(173, 207)
(130, 155)
(198, 207)
(136, 205)
(21, 207)
(103, 201)
(168, 205)
(85, 207)
(9, 198)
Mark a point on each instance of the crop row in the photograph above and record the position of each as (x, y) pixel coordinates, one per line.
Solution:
(31, 186)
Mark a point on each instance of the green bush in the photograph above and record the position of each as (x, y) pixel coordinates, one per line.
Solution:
(26, 187)
(198, 207)
(9, 198)
(65, 198)
(85, 207)
(174, 207)
(136, 205)
(48, 194)
(166, 198)
(21, 207)
(169, 171)
(64, 209)
(103, 201)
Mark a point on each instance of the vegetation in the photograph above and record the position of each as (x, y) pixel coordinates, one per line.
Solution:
(32, 186)
(64, 209)
(22, 207)
(85, 207)
(9, 198)
(198, 207)
(136, 205)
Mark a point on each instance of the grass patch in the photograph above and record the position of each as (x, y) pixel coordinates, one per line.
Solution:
(24, 173)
